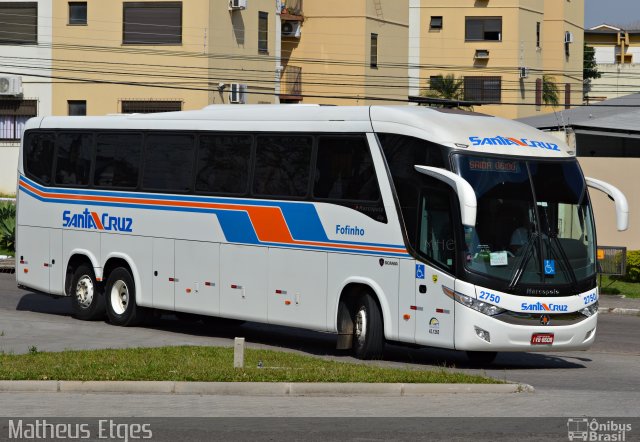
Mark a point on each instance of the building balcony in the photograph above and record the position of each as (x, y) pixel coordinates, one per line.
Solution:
(292, 11)
(291, 84)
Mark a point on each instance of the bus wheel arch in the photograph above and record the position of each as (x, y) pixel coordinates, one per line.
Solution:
(360, 321)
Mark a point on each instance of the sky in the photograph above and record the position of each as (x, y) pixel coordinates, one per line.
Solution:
(614, 12)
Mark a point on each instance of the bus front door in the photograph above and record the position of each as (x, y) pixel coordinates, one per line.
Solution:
(434, 309)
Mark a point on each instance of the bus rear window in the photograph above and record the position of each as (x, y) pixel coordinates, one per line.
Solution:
(38, 156)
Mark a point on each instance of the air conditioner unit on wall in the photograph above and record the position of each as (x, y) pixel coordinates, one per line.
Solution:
(238, 93)
(237, 4)
(568, 37)
(10, 85)
(291, 29)
(481, 54)
(524, 72)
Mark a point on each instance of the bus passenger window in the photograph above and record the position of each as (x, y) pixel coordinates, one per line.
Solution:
(73, 158)
(345, 171)
(38, 156)
(118, 160)
(282, 166)
(223, 164)
(168, 162)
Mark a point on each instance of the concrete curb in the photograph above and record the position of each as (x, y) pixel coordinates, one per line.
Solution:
(620, 311)
(258, 388)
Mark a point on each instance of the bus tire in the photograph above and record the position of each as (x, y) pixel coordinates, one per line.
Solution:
(120, 297)
(368, 330)
(87, 298)
(481, 358)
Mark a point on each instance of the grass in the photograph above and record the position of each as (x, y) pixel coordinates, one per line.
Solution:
(613, 286)
(208, 364)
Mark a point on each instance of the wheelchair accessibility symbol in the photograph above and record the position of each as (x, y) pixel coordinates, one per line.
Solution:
(549, 267)
(419, 271)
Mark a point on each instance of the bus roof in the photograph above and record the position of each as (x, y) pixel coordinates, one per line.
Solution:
(456, 129)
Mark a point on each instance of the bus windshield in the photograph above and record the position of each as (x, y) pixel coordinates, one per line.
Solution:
(534, 223)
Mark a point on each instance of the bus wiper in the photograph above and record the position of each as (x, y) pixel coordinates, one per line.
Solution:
(565, 259)
(524, 260)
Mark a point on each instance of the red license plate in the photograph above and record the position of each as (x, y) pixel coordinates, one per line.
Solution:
(542, 339)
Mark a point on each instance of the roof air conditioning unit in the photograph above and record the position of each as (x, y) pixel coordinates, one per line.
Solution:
(524, 72)
(568, 37)
(10, 85)
(481, 54)
(238, 93)
(291, 29)
(237, 4)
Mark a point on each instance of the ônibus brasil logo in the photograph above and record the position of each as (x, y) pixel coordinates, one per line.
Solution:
(510, 141)
(91, 220)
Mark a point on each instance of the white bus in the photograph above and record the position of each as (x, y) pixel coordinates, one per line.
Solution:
(380, 224)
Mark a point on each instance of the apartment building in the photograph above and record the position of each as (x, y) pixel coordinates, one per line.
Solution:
(617, 54)
(500, 50)
(151, 56)
(25, 67)
(346, 52)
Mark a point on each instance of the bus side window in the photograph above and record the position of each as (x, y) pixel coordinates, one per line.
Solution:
(118, 157)
(168, 162)
(283, 165)
(38, 156)
(74, 152)
(223, 163)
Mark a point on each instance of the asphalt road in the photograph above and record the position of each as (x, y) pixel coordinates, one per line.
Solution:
(603, 381)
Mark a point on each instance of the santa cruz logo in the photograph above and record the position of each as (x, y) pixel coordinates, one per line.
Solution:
(509, 141)
(91, 220)
(542, 307)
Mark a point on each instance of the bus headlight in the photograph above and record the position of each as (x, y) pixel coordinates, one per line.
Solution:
(591, 310)
(483, 307)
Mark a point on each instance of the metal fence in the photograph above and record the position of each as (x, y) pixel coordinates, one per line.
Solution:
(612, 260)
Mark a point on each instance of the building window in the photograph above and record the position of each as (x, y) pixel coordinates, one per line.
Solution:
(158, 23)
(77, 13)
(436, 22)
(263, 32)
(150, 106)
(77, 107)
(483, 29)
(538, 29)
(13, 117)
(19, 23)
(374, 50)
(487, 89)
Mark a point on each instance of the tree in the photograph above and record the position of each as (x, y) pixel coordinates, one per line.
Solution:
(590, 69)
(550, 92)
(446, 88)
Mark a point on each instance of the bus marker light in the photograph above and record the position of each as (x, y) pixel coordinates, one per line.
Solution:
(188, 290)
(287, 302)
(46, 264)
(209, 284)
(26, 270)
(415, 307)
(281, 292)
(407, 317)
(235, 286)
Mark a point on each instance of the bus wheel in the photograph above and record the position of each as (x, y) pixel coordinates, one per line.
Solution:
(120, 294)
(481, 357)
(86, 296)
(368, 333)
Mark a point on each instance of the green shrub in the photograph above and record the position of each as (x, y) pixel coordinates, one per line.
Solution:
(8, 226)
(633, 266)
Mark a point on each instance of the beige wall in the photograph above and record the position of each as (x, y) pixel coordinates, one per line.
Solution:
(622, 173)
(448, 48)
(337, 34)
(211, 37)
(617, 79)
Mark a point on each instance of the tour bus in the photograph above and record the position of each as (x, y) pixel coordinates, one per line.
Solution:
(404, 224)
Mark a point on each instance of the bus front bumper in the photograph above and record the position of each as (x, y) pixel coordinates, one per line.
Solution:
(470, 325)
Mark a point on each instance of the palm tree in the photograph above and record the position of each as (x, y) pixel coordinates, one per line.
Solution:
(445, 88)
(549, 91)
